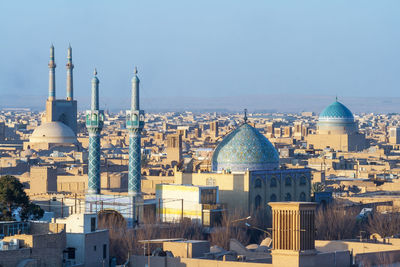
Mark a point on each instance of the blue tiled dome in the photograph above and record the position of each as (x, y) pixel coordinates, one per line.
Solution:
(243, 149)
(336, 111)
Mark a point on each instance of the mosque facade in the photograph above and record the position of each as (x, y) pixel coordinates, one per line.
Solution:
(59, 123)
(337, 129)
(246, 169)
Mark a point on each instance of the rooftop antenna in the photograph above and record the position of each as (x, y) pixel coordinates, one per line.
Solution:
(245, 115)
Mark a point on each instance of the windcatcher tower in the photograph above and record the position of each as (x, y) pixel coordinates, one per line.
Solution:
(293, 233)
(134, 124)
(94, 124)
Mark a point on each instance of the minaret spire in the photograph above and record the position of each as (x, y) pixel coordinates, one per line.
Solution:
(70, 67)
(95, 91)
(94, 124)
(52, 75)
(135, 91)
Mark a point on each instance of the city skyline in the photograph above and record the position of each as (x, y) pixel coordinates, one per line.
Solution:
(206, 50)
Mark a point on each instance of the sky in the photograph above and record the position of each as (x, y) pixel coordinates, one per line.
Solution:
(209, 49)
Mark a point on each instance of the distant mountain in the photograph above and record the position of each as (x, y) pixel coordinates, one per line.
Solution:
(260, 103)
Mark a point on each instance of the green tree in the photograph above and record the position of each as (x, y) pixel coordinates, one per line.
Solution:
(13, 197)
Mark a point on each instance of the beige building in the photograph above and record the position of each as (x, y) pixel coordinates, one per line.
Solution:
(87, 245)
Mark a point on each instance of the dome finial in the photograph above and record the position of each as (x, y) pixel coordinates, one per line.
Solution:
(336, 99)
(95, 72)
(245, 115)
(135, 71)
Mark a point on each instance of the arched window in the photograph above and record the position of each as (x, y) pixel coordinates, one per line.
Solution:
(273, 198)
(257, 202)
(288, 181)
(303, 180)
(288, 197)
(273, 182)
(302, 196)
(258, 183)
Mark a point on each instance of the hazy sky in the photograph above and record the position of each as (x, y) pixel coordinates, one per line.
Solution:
(203, 48)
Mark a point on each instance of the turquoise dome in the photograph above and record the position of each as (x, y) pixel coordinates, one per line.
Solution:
(245, 148)
(336, 112)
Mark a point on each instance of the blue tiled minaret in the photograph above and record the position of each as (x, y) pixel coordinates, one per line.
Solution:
(52, 75)
(134, 124)
(70, 67)
(94, 124)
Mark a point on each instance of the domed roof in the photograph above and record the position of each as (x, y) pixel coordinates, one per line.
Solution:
(336, 112)
(243, 149)
(53, 132)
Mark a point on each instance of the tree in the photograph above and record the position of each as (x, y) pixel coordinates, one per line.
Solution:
(232, 227)
(385, 225)
(336, 222)
(13, 198)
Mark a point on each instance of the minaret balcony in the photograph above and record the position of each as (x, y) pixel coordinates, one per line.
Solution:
(94, 118)
(134, 119)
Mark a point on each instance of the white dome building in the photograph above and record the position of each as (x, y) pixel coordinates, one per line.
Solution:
(49, 134)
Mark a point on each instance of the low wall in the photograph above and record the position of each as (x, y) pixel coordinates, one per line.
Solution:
(356, 247)
(378, 258)
(333, 259)
(141, 261)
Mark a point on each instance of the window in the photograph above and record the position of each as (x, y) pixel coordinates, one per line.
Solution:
(288, 197)
(288, 181)
(208, 196)
(303, 180)
(257, 202)
(71, 253)
(258, 183)
(273, 182)
(302, 196)
(104, 251)
(94, 248)
(92, 224)
(273, 198)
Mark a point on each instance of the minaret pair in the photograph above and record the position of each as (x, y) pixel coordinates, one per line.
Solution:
(52, 75)
(134, 124)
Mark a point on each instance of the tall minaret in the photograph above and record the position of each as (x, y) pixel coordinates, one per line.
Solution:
(52, 75)
(134, 124)
(94, 124)
(70, 67)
